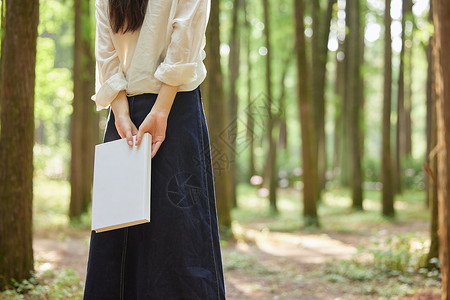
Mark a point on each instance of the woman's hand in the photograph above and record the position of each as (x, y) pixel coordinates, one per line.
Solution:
(156, 121)
(125, 127)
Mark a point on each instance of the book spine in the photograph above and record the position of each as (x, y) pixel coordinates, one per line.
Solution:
(147, 175)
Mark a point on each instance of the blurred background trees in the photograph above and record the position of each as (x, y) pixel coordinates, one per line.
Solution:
(304, 97)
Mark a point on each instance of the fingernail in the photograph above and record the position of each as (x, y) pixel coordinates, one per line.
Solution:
(130, 143)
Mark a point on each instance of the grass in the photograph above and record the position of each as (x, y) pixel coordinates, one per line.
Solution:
(335, 204)
(51, 284)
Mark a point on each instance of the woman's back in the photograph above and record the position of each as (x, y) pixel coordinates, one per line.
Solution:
(168, 48)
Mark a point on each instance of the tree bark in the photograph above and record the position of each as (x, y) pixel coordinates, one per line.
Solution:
(386, 159)
(217, 122)
(321, 31)
(271, 125)
(352, 94)
(430, 162)
(233, 100)
(17, 139)
(403, 128)
(250, 124)
(309, 157)
(339, 139)
(84, 120)
(441, 12)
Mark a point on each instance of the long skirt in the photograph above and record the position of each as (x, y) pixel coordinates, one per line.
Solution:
(177, 254)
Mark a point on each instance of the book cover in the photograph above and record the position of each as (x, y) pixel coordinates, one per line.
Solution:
(121, 190)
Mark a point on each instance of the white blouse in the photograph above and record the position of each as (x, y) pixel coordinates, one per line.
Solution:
(169, 48)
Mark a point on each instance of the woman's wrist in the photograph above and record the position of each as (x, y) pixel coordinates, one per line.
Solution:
(165, 99)
(119, 105)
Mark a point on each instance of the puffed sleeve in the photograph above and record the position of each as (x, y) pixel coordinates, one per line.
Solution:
(110, 79)
(186, 45)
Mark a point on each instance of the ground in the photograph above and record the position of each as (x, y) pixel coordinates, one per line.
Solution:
(353, 255)
(261, 264)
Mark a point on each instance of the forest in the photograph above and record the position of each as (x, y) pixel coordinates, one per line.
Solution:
(329, 125)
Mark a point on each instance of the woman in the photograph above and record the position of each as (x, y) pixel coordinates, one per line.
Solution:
(149, 67)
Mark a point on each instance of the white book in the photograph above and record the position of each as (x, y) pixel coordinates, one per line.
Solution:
(121, 191)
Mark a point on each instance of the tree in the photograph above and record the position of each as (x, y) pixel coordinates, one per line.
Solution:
(309, 156)
(216, 108)
(441, 16)
(430, 161)
(271, 124)
(249, 123)
(386, 158)
(321, 30)
(353, 99)
(84, 121)
(17, 139)
(403, 113)
(233, 96)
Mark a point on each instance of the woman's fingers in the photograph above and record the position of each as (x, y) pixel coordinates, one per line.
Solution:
(129, 137)
(139, 136)
(155, 148)
(126, 129)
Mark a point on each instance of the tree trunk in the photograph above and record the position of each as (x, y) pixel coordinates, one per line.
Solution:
(321, 31)
(339, 90)
(217, 123)
(84, 120)
(233, 96)
(249, 120)
(441, 11)
(16, 140)
(386, 158)
(309, 157)
(407, 140)
(271, 125)
(352, 94)
(403, 128)
(430, 163)
(344, 158)
(282, 138)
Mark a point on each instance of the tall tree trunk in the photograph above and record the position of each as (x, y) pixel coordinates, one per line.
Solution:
(17, 139)
(233, 96)
(409, 17)
(250, 124)
(321, 31)
(352, 94)
(403, 128)
(430, 163)
(282, 139)
(344, 158)
(362, 97)
(271, 125)
(441, 11)
(84, 120)
(339, 90)
(386, 157)
(217, 123)
(309, 157)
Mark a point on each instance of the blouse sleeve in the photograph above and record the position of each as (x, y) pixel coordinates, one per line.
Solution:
(110, 79)
(186, 45)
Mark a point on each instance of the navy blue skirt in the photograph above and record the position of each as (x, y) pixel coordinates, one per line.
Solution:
(176, 255)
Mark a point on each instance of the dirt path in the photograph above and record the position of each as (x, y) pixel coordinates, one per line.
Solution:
(260, 265)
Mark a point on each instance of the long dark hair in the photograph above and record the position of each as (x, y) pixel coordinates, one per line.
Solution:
(126, 15)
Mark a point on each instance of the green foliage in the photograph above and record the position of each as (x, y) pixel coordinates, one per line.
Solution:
(389, 267)
(235, 260)
(64, 284)
(398, 254)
